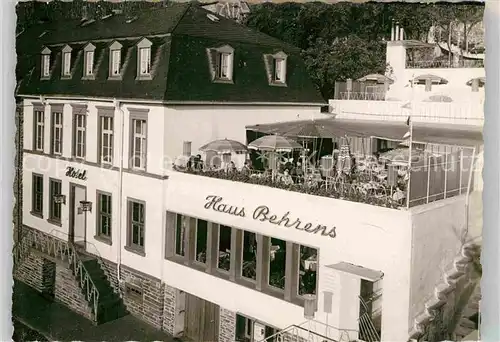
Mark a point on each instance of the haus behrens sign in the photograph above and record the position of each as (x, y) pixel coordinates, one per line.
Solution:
(263, 213)
(76, 173)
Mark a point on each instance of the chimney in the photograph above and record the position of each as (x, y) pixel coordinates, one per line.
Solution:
(401, 32)
(392, 31)
(397, 31)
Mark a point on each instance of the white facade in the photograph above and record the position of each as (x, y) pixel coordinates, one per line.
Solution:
(462, 105)
(388, 241)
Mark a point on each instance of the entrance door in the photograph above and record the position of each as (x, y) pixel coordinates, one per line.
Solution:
(201, 319)
(77, 216)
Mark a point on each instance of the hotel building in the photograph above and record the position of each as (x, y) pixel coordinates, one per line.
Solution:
(111, 227)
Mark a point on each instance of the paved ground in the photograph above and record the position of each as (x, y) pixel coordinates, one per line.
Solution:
(58, 323)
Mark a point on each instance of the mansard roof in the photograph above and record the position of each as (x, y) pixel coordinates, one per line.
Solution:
(180, 35)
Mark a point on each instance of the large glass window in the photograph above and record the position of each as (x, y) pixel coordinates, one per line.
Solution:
(224, 256)
(307, 270)
(249, 262)
(201, 241)
(277, 263)
(180, 235)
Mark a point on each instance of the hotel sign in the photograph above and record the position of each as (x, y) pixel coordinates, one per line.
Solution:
(263, 213)
(76, 173)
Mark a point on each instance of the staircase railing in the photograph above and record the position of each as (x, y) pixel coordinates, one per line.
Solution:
(62, 250)
(367, 330)
(308, 331)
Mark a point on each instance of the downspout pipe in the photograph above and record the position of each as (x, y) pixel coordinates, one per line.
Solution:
(119, 109)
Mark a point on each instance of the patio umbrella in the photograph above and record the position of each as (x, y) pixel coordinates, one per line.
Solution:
(400, 155)
(481, 81)
(434, 79)
(344, 158)
(224, 146)
(274, 143)
(381, 79)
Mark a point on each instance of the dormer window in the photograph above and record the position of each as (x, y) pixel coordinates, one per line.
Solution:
(279, 70)
(66, 61)
(46, 63)
(221, 63)
(88, 53)
(276, 68)
(144, 59)
(115, 60)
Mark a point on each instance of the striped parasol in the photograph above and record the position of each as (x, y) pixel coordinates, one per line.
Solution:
(344, 158)
(224, 146)
(275, 143)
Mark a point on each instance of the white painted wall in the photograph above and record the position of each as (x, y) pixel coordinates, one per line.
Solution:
(203, 124)
(437, 232)
(378, 239)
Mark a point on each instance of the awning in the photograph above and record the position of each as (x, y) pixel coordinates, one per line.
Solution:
(362, 272)
(430, 133)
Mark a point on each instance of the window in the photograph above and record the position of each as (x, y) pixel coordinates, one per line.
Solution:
(145, 60)
(133, 291)
(276, 66)
(224, 250)
(223, 61)
(279, 70)
(277, 263)
(249, 255)
(67, 64)
(104, 215)
(46, 65)
(54, 208)
(186, 148)
(80, 126)
(201, 240)
(308, 258)
(139, 144)
(37, 195)
(57, 132)
(115, 62)
(106, 139)
(39, 130)
(180, 235)
(136, 227)
(89, 63)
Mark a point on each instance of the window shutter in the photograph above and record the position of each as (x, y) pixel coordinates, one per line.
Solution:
(216, 62)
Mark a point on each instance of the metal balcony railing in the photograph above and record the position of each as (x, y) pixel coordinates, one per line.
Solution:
(309, 331)
(62, 250)
(444, 64)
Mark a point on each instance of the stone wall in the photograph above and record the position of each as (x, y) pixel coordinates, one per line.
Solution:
(169, 309)
(146, 299)
(227, 325)
(37, 272)
(68, 292)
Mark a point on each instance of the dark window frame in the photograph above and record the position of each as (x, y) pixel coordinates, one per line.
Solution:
(105, 113)
(99, 215)
(36, 192)
(131, 246)
(53, 206)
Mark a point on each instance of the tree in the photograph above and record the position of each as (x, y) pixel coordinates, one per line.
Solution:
(346, 57)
